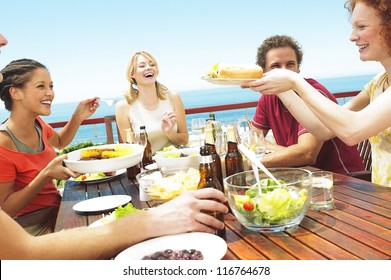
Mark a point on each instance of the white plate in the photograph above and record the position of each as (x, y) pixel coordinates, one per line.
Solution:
(104, 165)
(211, 246)
(102, 203)
(226, 81)
(102, 179)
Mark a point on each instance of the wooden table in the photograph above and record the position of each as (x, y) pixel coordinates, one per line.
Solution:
(358, 228)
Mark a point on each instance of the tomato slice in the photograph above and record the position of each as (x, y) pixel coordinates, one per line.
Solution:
(248, 206)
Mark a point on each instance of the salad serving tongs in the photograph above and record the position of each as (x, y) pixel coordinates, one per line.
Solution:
(251, 156)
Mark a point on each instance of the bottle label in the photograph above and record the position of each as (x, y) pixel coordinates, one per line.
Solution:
(206, 159)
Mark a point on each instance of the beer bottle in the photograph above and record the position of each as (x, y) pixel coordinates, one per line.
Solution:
(210, 121)
(208, 179)
(211, 117)
(130, 139)
(210, 143)
(233, 158)
(147, 156)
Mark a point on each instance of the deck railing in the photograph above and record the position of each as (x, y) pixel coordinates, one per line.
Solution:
(112, 133)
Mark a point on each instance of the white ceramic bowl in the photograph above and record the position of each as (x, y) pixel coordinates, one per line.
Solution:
(104, 165)
(190, 160)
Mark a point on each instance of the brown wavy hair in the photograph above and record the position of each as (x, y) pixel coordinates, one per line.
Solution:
(383, 9)
(278, 41)
(16, 74)
(132, 93)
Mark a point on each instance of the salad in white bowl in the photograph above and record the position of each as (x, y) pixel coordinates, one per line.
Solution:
(171, 158)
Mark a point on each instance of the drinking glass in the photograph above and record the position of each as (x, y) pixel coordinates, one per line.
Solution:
(322, 190)
(198, 125)
(141, 141)
(243, 126)
(221, 143)
(130, 136)
(255, 141)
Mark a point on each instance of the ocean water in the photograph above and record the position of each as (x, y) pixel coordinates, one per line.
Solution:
(198, 98)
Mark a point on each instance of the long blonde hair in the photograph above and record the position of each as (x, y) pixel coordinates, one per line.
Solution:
(132, 93)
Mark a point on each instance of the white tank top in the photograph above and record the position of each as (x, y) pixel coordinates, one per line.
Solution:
(152, 121)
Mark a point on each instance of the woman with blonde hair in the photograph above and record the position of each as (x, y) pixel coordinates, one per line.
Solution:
(149, 103)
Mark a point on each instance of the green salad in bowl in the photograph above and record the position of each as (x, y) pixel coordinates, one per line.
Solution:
(264, 205)
(172, 158)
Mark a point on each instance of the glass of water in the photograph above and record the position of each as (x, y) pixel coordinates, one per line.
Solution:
(198, 125)
(198, 128)
(322, 190)
(221, 144)
(255, 141)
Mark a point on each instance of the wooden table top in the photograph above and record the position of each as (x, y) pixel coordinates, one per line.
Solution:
(358, 228)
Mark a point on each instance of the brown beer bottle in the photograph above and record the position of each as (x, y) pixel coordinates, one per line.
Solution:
(130, 139)
(211, 117)
(208, 179)
(147, 156)
(210, 143)
(233, 158)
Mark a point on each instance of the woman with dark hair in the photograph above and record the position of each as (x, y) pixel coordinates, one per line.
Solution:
(367, 114)
(27, 144)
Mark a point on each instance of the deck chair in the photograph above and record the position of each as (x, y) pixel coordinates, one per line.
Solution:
(364, 149)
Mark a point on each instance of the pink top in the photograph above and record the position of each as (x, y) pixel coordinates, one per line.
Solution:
(22, 168)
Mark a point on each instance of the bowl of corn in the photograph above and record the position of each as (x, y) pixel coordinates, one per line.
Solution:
(104, 158)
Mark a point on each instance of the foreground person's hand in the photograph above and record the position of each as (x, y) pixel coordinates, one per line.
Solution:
(183, 214)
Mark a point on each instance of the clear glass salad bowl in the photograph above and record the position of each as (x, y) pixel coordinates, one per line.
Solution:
(265, 206)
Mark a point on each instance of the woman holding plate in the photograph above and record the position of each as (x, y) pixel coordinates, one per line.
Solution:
(367, 114)
(27, 157)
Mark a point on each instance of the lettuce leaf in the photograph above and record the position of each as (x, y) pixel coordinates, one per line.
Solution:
(275, 206)
(128, 209)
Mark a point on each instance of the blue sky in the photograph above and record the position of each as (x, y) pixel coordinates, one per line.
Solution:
(87, 44)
